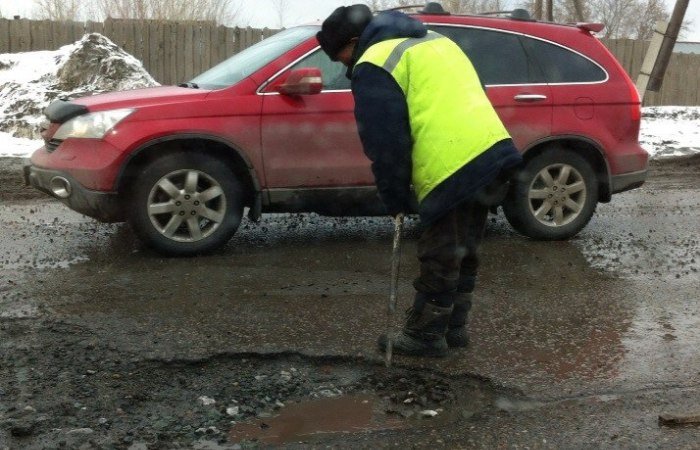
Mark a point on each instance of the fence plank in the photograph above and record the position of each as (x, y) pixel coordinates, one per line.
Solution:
(172, 53)
(4, 36)
(94, 27)
(695, 69)
(155, 42)
(26, 39)
(248, 37)
(143, 33)
(197, 49)
(14, 36)
(77, 31)
(108, 30)
(230, 38)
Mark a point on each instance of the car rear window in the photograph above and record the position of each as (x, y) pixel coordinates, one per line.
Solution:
(561, 65)
(499, 58)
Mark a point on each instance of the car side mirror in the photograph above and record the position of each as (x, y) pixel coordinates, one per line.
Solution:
(307, 81)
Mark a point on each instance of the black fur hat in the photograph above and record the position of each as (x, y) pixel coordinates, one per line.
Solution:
(341, 26)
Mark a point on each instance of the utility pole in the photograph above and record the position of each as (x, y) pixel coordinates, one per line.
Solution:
(656, 77)
(550, 10)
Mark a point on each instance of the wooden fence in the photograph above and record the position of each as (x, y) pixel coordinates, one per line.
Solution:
(177, 51)
(681, 84)
(172, 52)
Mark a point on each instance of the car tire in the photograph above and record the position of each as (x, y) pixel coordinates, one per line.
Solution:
(186, 204)
(553, 197)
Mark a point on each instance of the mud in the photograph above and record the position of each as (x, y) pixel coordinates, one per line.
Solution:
(86, 391)
(271, 340)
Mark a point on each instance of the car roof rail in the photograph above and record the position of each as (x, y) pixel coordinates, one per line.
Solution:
(399, 8)
(433, 8)
(516, 14)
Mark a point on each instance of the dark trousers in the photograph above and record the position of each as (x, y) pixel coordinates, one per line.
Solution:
(447, 250)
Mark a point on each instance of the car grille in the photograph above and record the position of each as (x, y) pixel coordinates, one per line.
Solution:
(53, 145)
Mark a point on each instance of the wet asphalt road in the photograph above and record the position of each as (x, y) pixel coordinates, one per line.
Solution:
(580, 344)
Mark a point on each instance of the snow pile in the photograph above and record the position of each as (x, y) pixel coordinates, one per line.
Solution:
(30, 81)
(670, 131)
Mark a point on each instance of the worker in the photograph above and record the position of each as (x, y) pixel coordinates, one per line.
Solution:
(424, 120)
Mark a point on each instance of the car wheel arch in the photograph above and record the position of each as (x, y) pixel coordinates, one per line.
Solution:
(236, 160)
(585, 147)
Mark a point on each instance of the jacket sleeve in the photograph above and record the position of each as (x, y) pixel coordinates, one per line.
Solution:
(381, 113)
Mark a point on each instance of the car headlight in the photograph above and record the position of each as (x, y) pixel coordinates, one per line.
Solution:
(93, 125)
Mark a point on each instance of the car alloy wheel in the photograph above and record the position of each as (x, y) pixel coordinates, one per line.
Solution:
(557, 195)
(186, 205)
(553, 196)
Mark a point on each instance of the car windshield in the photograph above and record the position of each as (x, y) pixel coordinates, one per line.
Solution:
(252, 59)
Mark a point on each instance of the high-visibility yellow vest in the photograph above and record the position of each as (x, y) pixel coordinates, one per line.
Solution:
(452, 121)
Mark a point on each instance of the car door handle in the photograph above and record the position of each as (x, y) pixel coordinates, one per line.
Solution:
(529, 97)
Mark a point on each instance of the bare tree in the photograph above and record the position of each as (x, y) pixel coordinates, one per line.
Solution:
(570, 11)
(652, 12)
(281, 7)
(375, 5)
(617, 15)
(58, 9)
(220, 11)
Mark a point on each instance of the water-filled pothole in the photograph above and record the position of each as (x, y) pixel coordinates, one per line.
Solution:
(345, 414)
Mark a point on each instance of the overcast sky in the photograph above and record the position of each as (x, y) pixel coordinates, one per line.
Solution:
(260, 13)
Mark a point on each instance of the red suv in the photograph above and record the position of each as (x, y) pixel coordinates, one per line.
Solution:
(272, 129)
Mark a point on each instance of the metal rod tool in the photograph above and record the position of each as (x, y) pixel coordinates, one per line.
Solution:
(393, 295)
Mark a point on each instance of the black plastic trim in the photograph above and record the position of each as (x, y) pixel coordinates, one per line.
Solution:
(61, 111)
(103, 206)
(337, 201)
(627, 181)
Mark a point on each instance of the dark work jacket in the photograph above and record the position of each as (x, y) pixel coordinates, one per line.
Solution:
(382, 119)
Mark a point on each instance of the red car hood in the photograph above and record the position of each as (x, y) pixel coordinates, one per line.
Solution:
(136, 98)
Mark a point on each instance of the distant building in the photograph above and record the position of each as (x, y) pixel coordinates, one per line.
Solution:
(687, 47)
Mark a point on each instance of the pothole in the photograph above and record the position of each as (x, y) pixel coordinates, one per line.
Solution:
(77, 388)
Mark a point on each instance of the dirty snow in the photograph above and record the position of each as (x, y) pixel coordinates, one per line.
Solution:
(30, 81)
(669, 131)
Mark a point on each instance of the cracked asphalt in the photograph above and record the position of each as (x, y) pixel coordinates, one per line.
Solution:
(577, 344)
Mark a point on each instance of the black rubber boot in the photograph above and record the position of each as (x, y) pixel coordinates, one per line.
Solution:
(424, 332)
(457, 335)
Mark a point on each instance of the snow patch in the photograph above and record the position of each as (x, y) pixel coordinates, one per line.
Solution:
(670, 131)
(29, 82)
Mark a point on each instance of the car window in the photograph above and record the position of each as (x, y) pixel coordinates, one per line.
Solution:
(252, 59)
(332, 72)
(561, 65)
(499, 58)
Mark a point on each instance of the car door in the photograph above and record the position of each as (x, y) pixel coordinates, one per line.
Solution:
(513, 82)
(311, 141)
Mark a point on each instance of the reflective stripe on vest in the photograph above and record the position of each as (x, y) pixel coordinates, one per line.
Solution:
(452, 121)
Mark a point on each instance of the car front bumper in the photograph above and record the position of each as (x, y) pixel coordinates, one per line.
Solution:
(103, 206)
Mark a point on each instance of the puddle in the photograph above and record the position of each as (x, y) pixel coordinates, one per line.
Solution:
(297, 422)
(517, 405)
